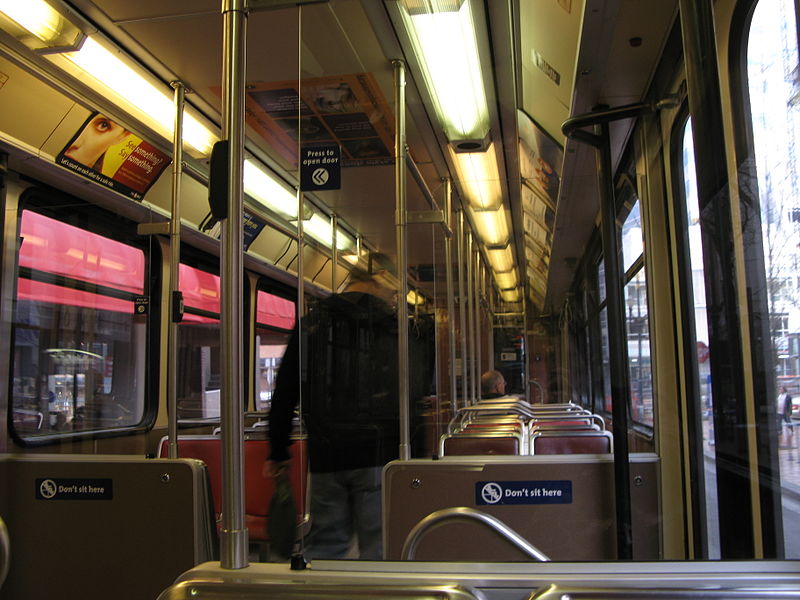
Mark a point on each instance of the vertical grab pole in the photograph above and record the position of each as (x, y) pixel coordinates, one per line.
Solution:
(478, 337)
(526, 384)
(174, 266)
(334, 251)
(618, 350)
(448, 259)
(402, 256)
(233, 535)
(462, 308)
(301, 295)
(471, 316)
(488, 314)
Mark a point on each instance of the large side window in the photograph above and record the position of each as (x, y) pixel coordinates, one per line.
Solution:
(198, 345)
(79, 344)
(773, 77)
(275, 319)
(697, 327)
(636, 315)
(636, 319)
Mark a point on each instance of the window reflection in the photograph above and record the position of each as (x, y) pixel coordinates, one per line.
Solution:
(78, 358)
(773, 76)
(198, 345)
(275, 318)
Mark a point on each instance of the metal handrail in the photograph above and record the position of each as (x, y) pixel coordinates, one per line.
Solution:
(5, 551)
(464, 513)
(539, 387)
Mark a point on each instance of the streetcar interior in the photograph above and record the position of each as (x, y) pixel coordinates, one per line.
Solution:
(595, 198)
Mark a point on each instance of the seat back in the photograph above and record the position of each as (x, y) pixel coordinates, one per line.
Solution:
(258, 489)
(480, 444)
(96, 526)
(571, 442)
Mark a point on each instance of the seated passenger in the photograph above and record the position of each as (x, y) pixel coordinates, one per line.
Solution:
(493, 385)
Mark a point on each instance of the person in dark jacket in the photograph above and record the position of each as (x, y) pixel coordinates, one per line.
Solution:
(785, 426)
(350, 409)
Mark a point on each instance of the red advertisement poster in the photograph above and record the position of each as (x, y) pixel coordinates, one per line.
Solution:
(105, 152)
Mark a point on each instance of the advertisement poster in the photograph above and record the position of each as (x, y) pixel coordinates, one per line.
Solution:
(348, 110)
(252, 225)
(540, 160)
(105, 152)
(540, 163)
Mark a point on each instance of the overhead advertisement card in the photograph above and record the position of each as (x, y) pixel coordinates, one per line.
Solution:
(540, 160)
(105, 152)
(252, 225)
(347, 110)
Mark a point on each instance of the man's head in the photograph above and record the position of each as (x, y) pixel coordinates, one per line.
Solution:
(493, 382)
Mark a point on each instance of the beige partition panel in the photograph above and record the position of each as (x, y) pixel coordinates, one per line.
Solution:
(101, 526)
(562, 505)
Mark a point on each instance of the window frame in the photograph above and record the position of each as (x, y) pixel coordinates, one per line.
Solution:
(54, 204)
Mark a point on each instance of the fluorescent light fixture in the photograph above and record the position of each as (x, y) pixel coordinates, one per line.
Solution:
(501, 259)
(319, 228)
(443, 35)
(506, 280)
(354, 256)
(510, 295)
(265, 189)
(344, 242)
(479, 177)
(107, 71)
(492, 226)
(38, 25)
(415, 298)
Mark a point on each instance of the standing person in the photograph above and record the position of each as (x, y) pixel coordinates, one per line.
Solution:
(784, 409)
(350, 408)
(493, 385)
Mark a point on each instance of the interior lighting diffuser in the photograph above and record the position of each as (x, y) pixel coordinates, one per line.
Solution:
(415, 298)
(506, 280)
(39, 26)
(319, 228)
(111, 75)
(492, 226)
(510, 295)
(265, 189)
(443, 35)
(480, 177)
(501, 259)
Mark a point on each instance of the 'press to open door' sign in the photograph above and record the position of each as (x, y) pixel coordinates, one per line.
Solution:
(320, 167)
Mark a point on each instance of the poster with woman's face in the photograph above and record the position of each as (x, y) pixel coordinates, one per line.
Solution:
(105, 152)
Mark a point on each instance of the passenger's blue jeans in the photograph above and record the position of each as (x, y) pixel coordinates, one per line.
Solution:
(344, 503)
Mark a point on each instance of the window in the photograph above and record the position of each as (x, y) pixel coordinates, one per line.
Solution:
(606, 355)
(198, 345)
(79, 344)
(275, 318)
(636, 314)
(699, 332)
(773, 78)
